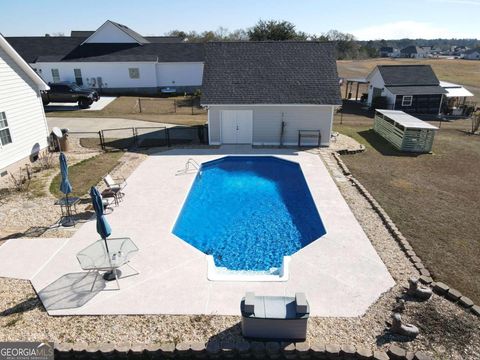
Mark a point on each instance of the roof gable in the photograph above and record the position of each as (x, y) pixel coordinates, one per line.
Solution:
(281, 72)
(408, 75)
(10, 51)
(112, 32)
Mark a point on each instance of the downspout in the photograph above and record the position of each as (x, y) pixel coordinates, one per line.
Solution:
(156, 75)
(282, 130)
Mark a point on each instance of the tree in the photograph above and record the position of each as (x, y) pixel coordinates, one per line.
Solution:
(178, 33)
(347, 47)
(274, 30)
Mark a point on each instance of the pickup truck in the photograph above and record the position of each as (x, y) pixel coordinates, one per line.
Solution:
(69, 93)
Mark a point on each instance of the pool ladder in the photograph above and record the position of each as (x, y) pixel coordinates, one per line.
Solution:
(190, 165)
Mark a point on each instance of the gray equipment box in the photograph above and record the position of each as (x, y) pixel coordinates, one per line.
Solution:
(274, 317)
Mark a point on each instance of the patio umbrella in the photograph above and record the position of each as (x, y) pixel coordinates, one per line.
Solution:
(65, 186)
(103, 227)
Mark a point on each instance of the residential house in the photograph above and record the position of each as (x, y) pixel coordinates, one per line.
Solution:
(472, 54)
(23, 126)
(410, 88)
(416, 52)
(115, 60)
(389, 51)
(265, 93)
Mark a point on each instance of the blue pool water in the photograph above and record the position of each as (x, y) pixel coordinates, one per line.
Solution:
(249, 212)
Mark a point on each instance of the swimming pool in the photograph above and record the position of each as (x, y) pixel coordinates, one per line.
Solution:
(248, 212)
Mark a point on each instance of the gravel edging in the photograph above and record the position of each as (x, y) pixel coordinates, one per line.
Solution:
(439, 288)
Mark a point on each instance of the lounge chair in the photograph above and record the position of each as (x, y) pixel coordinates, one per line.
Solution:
(274, 317)
(116, 185)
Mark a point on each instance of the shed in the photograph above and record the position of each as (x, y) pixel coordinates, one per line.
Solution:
(405, 132)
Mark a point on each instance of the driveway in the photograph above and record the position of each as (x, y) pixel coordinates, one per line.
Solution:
(98, 105)
(82, 124)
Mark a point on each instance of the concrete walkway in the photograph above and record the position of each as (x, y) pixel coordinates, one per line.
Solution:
(341, 272)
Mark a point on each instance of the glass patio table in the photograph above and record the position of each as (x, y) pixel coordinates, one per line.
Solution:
(96, 258)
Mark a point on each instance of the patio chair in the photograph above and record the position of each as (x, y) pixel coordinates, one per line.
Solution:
(115, 185)
(274, 317)
(95, 258)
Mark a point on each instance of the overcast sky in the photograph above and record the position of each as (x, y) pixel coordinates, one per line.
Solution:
(367, 19)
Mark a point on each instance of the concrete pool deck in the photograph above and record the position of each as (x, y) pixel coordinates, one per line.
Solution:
(341, 273)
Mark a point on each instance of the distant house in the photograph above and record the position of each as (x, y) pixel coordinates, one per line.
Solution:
(23, 127)
(115, 59)
(389, 51)
(410, 88)
(266, 93)
(472, 54)
(416, 52)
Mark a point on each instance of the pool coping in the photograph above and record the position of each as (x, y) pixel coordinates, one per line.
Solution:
(215, 273)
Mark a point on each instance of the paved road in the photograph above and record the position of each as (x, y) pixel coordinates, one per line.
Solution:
(96, 124)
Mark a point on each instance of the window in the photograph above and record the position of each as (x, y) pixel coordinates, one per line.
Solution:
(134, 73)
(55, 75)
(5, 137)
(78, 76)
(407, 100)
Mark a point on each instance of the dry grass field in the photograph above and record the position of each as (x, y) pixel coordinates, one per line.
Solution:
(434, 199)
(464, 72)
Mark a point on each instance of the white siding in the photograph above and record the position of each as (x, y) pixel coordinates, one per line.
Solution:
(21, 102)
(109, 33)
(179, 74)
(114, 75)
(376, 81)
(267, 120)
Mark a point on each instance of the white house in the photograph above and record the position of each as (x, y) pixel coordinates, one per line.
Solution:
(23, 126)
(473, 54)
(115, 59)
(268, 93)
(409, 88)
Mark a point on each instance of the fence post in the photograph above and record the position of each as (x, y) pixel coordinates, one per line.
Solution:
(140, 105)
(134, 135)
(102, 143)
(167, 132)
(175, 106)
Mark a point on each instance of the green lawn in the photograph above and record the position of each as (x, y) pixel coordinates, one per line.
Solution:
(87, 173)
(433, 198)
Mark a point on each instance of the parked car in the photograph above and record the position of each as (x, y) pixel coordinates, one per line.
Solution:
(70, 93)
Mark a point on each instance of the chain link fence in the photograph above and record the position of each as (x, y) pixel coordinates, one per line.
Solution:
(142, 137)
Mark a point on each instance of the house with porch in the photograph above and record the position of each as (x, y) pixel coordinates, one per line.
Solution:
(23, 126)
(270, 93)
(115, 59)
(410, 88)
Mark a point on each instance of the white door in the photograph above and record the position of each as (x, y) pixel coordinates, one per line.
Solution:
(237, 126)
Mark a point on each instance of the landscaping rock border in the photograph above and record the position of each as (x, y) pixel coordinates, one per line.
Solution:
(439, 288)
(242, 350)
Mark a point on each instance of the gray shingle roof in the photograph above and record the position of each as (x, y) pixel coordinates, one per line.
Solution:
(286, 72)
(408, 75)
(416, 90)
(56, 49)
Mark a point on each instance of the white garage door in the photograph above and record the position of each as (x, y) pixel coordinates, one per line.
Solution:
(237, 126)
